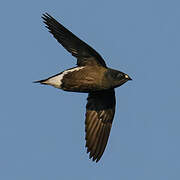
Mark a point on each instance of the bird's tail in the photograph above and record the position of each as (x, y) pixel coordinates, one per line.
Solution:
(44, 81)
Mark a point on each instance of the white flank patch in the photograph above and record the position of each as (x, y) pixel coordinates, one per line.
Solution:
(56, 80)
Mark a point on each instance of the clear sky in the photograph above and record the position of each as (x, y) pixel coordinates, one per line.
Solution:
(42, 128)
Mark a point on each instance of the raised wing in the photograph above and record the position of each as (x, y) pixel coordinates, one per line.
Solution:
(100, 111)
(82, 51)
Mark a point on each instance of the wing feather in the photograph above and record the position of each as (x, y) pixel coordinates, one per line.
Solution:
(100, 111)
(78, 48)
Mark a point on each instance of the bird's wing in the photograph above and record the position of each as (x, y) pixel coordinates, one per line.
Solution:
(100, 111)
(82, 51)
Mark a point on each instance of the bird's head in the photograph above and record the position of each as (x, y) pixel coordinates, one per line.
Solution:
(117, 78)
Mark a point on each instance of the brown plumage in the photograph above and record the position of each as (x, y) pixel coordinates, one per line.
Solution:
(91, 76)
(100, 111)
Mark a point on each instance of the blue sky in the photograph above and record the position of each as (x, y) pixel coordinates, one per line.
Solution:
(42, 128)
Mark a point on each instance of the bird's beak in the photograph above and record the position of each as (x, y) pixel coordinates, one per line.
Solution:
(129, 78)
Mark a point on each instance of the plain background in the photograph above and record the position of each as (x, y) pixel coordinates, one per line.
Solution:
(42, 128)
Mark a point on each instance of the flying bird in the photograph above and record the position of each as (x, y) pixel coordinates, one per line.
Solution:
(92, 76)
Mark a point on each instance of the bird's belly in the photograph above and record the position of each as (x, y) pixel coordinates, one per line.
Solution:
(86, 84)
(84, 80)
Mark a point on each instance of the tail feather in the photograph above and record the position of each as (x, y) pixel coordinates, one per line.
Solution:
(44, 81)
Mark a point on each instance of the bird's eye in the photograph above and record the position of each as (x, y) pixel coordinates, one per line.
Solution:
(126, 76)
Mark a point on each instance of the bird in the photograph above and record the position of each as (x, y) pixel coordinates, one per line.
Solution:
(90, 75)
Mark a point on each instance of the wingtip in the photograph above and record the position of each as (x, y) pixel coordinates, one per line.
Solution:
(92, 157)
(45, 16)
